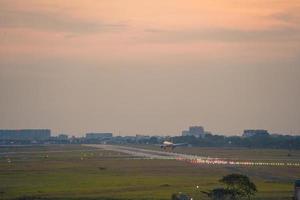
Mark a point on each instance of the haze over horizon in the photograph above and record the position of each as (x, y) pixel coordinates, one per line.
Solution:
(150, 67)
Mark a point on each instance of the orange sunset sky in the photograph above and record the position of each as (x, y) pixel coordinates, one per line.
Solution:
(150, 67)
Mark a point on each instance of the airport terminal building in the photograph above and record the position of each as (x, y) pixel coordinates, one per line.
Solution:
(97, 136)
(25, 134)
(258, 132)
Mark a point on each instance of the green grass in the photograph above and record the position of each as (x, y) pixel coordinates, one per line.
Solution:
(77, 172)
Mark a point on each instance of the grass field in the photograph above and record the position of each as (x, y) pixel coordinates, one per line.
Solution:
(78, 172)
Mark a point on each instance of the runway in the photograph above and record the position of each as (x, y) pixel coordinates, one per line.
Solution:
(140, 153)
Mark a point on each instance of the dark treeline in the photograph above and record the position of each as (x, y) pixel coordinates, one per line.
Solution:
(207, 140)
(268, 141)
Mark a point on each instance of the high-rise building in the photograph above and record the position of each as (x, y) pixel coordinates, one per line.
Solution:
(197, 131)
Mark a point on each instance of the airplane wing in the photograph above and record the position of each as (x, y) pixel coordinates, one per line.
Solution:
(180, 144)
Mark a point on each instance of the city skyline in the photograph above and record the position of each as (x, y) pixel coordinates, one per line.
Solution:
(150, 67)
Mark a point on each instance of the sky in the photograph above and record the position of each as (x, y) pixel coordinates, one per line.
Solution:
(150, 67)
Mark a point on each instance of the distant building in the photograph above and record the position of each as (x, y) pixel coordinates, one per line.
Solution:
(98, 136)
(257, 132)
(142, 137)
(197, 131)
(185, 133)
(25, 134)
(62, 137)
(297, 190)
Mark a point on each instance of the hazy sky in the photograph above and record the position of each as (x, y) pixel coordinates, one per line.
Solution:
(150, 67)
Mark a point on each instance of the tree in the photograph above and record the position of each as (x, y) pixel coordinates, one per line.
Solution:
(180, 196)
(220, 194)
(240, 185)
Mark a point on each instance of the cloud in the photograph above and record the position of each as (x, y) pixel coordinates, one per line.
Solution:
(53, 21)
(278, 34)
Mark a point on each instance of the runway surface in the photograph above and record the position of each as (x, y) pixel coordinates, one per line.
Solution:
(140, 153)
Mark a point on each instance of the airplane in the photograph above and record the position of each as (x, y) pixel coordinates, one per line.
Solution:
(170, 145)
